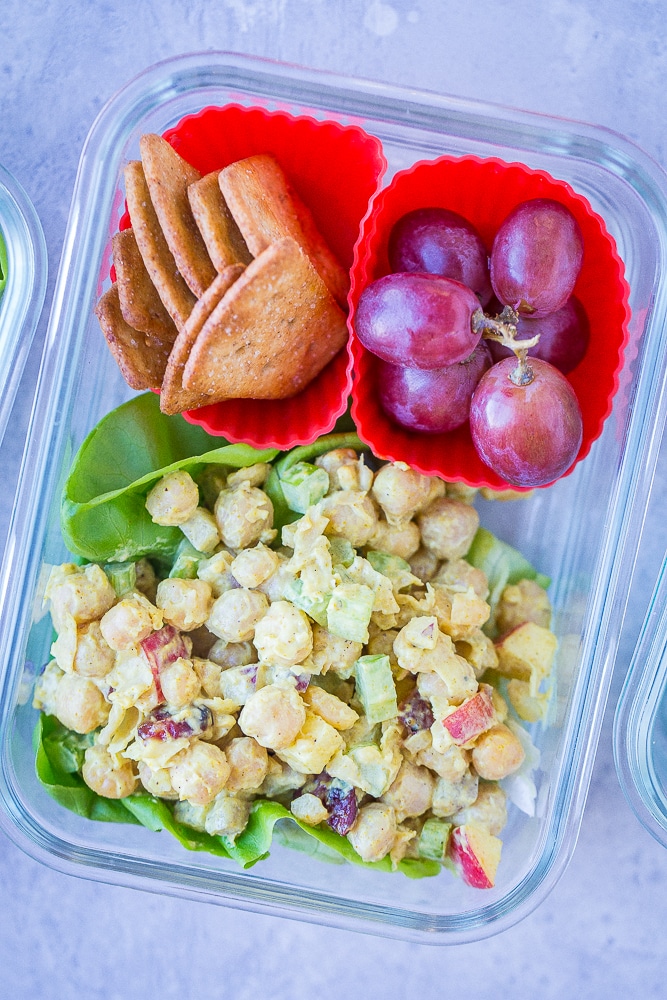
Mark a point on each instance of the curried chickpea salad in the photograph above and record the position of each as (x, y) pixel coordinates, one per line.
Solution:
(319, 646)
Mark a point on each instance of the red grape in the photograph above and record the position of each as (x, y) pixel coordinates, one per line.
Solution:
(564, 337)
(536, 257)
(441, 242)
(433, 401)
(529, 434)
(420, 320)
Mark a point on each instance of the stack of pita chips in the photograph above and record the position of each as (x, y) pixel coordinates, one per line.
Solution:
(224, 287)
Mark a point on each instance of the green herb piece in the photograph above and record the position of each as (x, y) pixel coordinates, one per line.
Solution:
(103, 513)
(375, 687)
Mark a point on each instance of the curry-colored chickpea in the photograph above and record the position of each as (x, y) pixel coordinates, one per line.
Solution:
(127, 623)
(448, 527)
(374, 831)
(411, 791)
(351, 515)
(235, 614)
(243, 515)
(273, 716)
(199, 772)
(79, 704)
(398, 539)
(179, 682)
(497, 753)
(173, 499)
(185, 604)
(108, 774)
(248, 762)
(401, 491)
(94, 657)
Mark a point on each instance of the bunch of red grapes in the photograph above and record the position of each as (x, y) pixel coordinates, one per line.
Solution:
(444, 360)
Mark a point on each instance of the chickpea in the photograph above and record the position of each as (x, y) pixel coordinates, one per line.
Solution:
(156, 781)
(228, 816)
(283, 637)
(173, 499)
(309, 809)
(249, 763)
(450, 796)
(126, 624)
(424, 563)
(201, 530)
(346, 470)
(79, 705)
(497, 753)
(331, 652)
(273, 716)
(488, 810)
(185, 604)
(199, 772)
(243, 515)
(254, 475)
(459, 574)
(523, 602)
(179, 682)
(85, 594)
(235, 614)
(451, 763)
(217, 572)
(399, 540)
(411, 791)
(232, 654)
(401, 492)
(94, 657)
(351, 515)
(107, 774)
(374, 831)
(254, 566)
(448, 527)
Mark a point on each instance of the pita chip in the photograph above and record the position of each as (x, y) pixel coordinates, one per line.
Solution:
(140, 304)
(142, 359)
(168, 177)
(157, 257)
(174, 397)
(266, 209)
(215, 222)
(272, 332)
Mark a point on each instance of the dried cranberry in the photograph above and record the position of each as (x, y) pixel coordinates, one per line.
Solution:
(415, 713)
(338, 798)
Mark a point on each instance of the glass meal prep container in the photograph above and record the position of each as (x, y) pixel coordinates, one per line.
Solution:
(583, 532)
(640, 722)
(23, 273)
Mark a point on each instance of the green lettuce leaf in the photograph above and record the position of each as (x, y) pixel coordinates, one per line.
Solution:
(59, 755)
(103, 515)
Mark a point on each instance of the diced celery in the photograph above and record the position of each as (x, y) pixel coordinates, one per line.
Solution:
(122, 576)
(303, 485)
(186, 562)
(433, 839)
(342, 552)
(375, 687)
(392, 566)
(316, 609)
(349, 611)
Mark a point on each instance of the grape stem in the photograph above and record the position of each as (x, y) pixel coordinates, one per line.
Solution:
(503, 330)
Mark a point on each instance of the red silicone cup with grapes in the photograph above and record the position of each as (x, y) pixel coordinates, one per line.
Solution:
(335, 169)
(484, 191)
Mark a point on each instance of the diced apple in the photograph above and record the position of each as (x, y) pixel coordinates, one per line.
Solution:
(526, 654)
(475, 854)
(471, 718)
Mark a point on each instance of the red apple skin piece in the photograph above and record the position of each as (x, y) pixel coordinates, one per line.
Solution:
(471, 718)
(475, 854)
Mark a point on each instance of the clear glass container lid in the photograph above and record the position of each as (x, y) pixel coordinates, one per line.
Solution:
(583, 532)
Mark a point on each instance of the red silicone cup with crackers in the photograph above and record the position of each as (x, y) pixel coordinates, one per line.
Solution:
(484, 191)
(335, 169)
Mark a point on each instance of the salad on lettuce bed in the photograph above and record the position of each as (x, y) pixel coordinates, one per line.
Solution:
(312, 646)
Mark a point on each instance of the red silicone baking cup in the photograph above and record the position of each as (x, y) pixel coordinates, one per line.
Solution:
(484, 191)
(335, 169)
